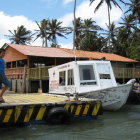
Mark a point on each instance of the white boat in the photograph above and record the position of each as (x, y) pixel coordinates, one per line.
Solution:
(91, 79)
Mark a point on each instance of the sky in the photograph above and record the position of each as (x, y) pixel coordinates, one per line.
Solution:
(14, 13)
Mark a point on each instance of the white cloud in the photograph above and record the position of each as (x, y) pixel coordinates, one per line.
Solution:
(37, 42)
(3, 41)
(68, 1)
(67, 19)
(85, 11)
(68, 46)
(12, 22)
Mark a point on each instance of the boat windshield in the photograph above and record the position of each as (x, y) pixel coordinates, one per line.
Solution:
(70, 77)
(87, 76)
(62, 78)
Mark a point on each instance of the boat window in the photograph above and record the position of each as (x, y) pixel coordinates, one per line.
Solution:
(62, 79)
(105, 76)
(70, 77)
(87, 76)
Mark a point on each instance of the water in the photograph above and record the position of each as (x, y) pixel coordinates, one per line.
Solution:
(120, 125)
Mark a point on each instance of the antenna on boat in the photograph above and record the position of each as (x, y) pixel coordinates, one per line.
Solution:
(74, 48)
(75, 54)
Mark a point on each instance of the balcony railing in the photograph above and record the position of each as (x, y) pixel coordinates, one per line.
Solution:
(15, 73)
(42, 73)
(38, 73)
(126, 72)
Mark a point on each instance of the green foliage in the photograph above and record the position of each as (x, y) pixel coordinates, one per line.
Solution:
(55, 45)
(42, 32)
(92, 43)
(134, 53)
(49, 30)
(134, 9)
(86, 31)
(56, 29)
(20, 36)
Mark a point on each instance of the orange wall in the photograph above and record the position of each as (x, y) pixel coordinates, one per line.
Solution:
(13, 55)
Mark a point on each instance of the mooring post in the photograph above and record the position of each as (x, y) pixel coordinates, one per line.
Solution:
(40, 86)
(67, 96)
(24, 79)
(40, 81)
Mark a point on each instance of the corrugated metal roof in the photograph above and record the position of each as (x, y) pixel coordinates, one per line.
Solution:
(66, 53)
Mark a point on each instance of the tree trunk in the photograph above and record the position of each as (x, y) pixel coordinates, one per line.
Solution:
(46, 44)
(42, 42)
(109, 29)
(74, 25)
(55, 41)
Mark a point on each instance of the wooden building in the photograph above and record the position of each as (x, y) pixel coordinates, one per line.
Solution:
(29, 64)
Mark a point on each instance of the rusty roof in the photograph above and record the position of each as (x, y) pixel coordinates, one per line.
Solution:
(40, 51)
(65, 53)
(98, 55)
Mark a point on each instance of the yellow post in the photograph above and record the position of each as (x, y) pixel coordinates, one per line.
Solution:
(40, 82)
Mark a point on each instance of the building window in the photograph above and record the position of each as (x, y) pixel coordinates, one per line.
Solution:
(104, 76)
(87, 76)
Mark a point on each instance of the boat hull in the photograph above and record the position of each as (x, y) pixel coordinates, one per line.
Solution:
(112, 98)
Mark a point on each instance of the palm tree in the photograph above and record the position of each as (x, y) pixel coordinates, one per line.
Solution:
(20, 36)
(134, 7)
(84, 29)
(92, 42)
(112, 33)
(89, 27)
(77, 33)
(55, 29)
(43, 32)
(108, 2)
(125, 34)
(128, 25)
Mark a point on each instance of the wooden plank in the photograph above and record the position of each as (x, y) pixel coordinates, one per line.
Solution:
(30, 99)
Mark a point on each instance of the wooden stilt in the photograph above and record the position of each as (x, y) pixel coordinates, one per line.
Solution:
(40, 86)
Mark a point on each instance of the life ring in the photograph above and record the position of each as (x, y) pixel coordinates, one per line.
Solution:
(58, 115)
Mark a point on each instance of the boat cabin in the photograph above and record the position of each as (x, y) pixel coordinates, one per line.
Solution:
(81, 77)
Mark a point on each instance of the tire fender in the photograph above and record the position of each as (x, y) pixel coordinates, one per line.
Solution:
(58, 115)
